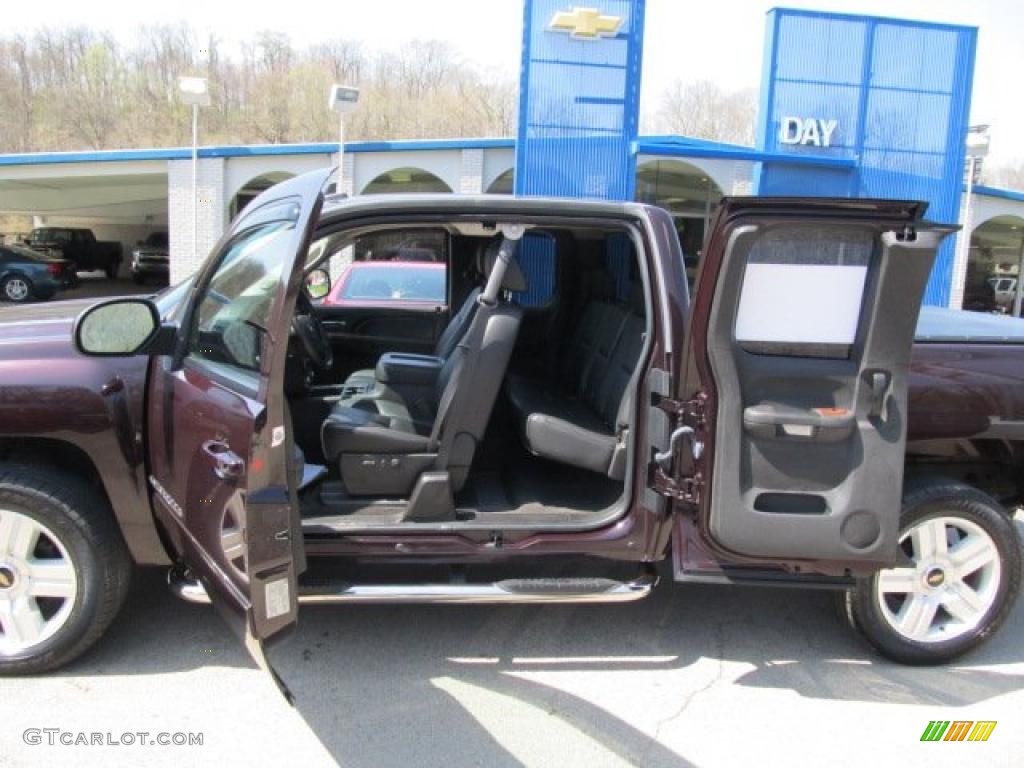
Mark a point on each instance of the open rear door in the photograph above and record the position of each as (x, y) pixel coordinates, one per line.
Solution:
(222, 466)
(795, 379)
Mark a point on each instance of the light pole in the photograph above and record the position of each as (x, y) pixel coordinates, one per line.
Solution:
(342, 99)
(977, 148)
(194, 92)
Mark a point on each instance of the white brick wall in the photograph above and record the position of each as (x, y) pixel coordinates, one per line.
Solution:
(348, 172)
(742, 179)
(471, 178)
(211, 212)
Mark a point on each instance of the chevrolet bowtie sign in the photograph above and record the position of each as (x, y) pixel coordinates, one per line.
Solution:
(586, 23)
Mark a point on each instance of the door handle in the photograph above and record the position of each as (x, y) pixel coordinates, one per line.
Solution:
(879, 381)
(227, 465)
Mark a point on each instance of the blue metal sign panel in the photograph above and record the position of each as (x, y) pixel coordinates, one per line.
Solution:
(892, 95)
(579, 98)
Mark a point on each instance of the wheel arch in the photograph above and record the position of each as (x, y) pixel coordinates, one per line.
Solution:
(994, 467)
(65, 457)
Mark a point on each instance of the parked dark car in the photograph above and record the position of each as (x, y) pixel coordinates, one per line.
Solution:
(544, 444)
(80, 247)
(151, 259)
(26, 275)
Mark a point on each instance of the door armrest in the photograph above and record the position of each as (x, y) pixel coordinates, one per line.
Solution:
(776, 420)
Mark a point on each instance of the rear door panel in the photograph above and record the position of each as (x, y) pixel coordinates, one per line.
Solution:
(800, 347)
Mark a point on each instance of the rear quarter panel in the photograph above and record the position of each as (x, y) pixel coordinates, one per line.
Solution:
(966, 390)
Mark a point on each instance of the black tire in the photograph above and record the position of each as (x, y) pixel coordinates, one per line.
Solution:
(112, 269)
(9, 286)
(925, 500)
(81, 519)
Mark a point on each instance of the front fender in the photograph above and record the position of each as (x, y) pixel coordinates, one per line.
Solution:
(50, 393)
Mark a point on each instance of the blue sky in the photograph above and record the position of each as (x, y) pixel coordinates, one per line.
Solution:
(693, 39)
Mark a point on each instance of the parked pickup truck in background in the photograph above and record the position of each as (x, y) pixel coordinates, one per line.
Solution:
(565, 421)
(151, 259)
(80, 247)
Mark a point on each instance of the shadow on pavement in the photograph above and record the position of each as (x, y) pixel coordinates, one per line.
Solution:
(376, 683)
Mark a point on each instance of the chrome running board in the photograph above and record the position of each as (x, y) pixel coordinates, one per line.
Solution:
(548, 590)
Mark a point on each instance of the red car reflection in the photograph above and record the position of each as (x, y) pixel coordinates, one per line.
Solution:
(390, 284)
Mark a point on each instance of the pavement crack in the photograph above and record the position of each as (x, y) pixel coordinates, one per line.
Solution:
(715, 678)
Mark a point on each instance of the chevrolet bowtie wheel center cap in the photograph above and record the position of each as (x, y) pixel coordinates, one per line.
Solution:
(935, 578)
(7, 577)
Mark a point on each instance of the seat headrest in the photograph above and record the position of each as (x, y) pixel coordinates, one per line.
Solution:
(514, 279)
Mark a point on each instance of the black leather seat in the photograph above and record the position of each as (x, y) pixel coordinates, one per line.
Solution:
(583, 418)
(382, 447)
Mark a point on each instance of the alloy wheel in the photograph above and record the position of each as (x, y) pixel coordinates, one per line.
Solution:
(16, 289)
(951, 586)
(38, 583)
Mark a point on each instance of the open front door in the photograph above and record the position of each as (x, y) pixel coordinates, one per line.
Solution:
(221, 454)
(796, 379)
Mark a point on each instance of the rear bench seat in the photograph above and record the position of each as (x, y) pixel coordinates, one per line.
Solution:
(582, 419)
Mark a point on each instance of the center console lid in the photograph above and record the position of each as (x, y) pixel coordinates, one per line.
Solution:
(403, 369)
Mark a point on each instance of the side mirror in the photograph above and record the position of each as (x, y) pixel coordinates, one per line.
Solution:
(318, 283)
(119, 328)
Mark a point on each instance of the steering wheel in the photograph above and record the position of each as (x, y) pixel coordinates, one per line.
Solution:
(311, 334)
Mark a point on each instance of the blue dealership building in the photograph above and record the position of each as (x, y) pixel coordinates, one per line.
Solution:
(849, 106)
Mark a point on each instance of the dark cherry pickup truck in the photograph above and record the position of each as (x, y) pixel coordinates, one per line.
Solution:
(571, 416)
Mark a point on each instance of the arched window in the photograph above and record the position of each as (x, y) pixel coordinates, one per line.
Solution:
(405, 180)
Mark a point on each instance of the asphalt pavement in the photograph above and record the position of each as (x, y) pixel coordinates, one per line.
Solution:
(694, 675)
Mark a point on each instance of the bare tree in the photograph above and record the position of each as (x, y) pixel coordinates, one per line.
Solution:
(704, 110)
(1008, 175)
(75, 87)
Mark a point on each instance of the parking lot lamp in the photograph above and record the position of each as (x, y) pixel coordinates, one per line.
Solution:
(194, 92)
(342, 99)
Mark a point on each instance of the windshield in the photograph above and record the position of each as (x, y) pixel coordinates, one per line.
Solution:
(157, 240)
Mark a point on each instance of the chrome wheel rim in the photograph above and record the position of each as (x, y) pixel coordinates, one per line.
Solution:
(38, 584)
(16, 289)
(950, 588)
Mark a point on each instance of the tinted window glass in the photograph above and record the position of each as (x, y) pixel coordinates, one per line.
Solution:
(409, 282)
(538, 261)
(392, 266)
(49, 236)
(235, 308)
